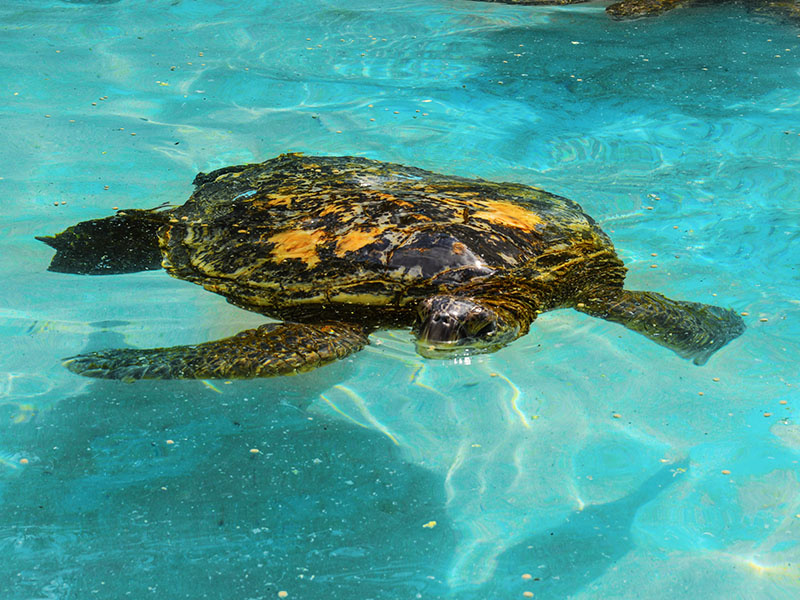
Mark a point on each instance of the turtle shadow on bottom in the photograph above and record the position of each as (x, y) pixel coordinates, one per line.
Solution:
(565, 559)
(158, 480)
(338, 247)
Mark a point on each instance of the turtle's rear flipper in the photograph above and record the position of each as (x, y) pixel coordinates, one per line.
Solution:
(690, 329)
(272, 349)
(123, 243)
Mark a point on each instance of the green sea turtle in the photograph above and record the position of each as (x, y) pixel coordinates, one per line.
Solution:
(634, 9)
(338, 247)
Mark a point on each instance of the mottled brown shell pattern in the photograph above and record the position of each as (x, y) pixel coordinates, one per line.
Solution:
(310, 231)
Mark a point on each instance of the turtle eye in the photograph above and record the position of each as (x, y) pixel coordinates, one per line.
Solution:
(423, 310)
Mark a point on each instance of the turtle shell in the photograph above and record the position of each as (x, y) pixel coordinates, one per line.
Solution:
(303, 233)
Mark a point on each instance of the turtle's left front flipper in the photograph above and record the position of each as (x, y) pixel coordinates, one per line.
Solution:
(690, 329)
(269, 350)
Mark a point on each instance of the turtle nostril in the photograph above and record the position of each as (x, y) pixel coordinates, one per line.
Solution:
(443, 319)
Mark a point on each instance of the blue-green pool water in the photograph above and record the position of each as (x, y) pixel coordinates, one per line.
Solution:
(583, 461)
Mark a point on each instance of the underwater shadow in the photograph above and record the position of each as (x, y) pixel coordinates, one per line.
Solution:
(563, 560)
(208, 490)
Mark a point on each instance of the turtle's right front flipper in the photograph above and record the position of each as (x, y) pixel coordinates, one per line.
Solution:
(269, 350)
(690, 329)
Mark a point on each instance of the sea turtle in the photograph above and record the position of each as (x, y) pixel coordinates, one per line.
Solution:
(634, 9)
(338, 247)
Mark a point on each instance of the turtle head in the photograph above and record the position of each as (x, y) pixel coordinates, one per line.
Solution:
(451, 326)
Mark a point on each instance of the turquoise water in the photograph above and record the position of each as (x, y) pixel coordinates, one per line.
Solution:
(387, 476)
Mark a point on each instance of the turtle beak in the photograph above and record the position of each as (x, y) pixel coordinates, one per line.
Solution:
(442, 340)
(441, 328)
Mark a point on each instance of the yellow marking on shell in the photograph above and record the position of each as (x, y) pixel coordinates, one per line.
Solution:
(226, 175)
(332, 209)
(509, 215)
(229, 284)
(297, 243)
(346, 214)
(188, 235)
(214, 269)
(393, 199)
(355, 239)
(508, 259)
(360, 299)
(563, 266)
(318, 299)
(276, 200)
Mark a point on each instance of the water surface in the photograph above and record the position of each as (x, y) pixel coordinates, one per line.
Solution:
(387, 476)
